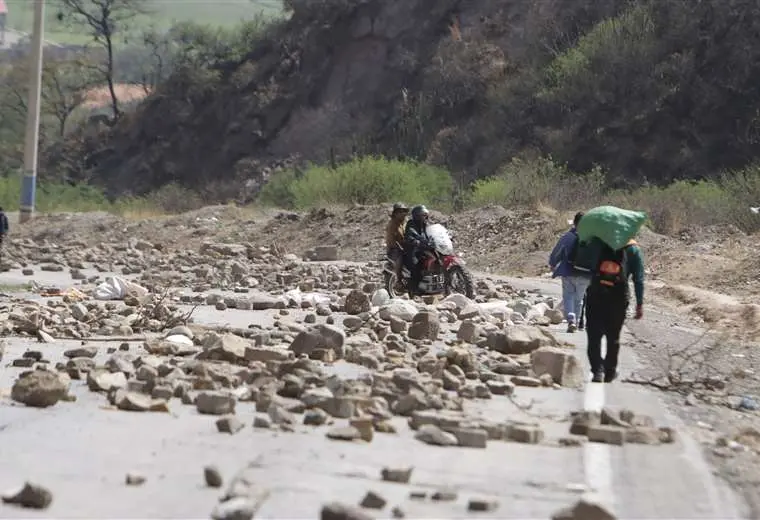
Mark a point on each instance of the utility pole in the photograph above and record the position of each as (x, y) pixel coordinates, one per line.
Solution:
(32, 138)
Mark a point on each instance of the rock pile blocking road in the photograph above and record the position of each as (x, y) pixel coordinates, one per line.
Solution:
(420, 361)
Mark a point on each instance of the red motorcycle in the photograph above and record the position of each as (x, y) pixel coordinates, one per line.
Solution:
(443, 272)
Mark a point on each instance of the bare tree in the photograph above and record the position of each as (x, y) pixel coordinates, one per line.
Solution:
(65, 87)
(65, 83)
(155, 69)
(104, 19)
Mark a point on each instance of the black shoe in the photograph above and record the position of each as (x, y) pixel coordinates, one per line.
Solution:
(598, 377)
(609, 377)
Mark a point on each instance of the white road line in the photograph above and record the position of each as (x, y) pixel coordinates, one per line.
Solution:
(597, 460)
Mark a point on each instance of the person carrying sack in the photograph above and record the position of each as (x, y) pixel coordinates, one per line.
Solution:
(607, 301)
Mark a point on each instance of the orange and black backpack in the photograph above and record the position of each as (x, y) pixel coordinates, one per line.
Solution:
(612, 269)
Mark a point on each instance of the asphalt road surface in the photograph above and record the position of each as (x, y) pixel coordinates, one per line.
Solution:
(82, 451)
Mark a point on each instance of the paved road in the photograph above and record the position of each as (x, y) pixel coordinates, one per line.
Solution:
(82, 452)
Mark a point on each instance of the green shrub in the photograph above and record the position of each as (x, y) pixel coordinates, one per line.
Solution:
(277, 191)
(366, 180)
(537, 182)
(722, 201)
(62, 197)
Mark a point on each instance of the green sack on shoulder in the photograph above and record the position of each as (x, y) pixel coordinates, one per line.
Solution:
(613, 226)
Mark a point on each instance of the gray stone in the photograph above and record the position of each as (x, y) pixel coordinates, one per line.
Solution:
(563, 366)
(425, 325)
(584, 509)
(357, 302)
(212, 476)
(30, 496)
(399, 475)
(338, 511)
(471, 437)
(344, 433)
(215, 403)
(40, 388)
(432, 434)
(373, 501)
(229, 424)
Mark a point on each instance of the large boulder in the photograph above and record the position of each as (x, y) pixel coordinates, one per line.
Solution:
(326, 338)
(425, 325)
(357, 302)
(398, 309)
(564, 367)
(40, 388)
(520, 339)
(224, 347)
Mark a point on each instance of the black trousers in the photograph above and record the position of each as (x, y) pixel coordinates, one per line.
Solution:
(413, 263)
(605, 315)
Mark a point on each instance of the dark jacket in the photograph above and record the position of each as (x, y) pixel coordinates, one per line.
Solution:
(415, 236)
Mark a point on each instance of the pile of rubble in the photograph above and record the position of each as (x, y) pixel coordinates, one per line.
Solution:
(61, 319)
(423, 362)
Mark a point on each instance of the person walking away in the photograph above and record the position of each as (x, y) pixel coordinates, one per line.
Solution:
(4, 227)
(574, 282)
(3, 20)
(607, 302)
(394, 237)
(415, 242)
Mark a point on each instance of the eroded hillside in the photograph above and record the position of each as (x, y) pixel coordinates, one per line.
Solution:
(338, 77)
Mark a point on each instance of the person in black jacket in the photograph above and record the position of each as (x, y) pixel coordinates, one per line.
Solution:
(416, 241)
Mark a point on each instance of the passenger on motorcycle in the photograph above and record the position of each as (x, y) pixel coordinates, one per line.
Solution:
(416, 242)
(394, 236)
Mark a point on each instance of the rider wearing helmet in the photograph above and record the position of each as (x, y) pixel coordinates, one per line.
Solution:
(416, 241)
(394, 236)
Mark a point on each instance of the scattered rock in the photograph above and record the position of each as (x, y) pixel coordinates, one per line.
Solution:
(212, 476)
(346, 433)
(584, 510)
(357, 302)
(562, 365)
(31, 496)
(399, 475)
(235, 508)
(432, 434)
(482, 505)
(373, 501)
(215, 403)
(471, 437)
(444, 496)
(338, 511)
(134, 479)
(229, 424)
(425, 325)
(39, 388)
(525, 433)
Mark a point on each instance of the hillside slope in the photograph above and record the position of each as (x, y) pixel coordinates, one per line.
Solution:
(649, 90)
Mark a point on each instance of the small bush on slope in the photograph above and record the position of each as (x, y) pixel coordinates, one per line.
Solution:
(366, 180)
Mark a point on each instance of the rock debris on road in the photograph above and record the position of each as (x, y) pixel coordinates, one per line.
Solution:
(302, 390)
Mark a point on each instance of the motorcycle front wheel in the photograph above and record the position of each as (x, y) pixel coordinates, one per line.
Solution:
(459, 280)
(390, 281)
